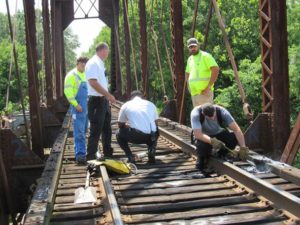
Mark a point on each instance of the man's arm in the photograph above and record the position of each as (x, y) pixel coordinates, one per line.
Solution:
(201, 136)
(238, 133)
(213, 78)
(94, 83)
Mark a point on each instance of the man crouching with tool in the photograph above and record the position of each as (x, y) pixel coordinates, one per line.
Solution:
(210, 123)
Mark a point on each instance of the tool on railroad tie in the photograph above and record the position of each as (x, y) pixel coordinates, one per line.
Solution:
(85, 194)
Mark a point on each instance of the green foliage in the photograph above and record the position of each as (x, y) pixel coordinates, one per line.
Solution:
(250, 75)
(71, 42)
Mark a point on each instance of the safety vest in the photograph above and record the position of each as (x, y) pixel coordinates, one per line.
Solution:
(72, 83)
(198, 67)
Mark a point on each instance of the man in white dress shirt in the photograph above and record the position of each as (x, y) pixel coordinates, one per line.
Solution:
(137, 122)
(98, 104)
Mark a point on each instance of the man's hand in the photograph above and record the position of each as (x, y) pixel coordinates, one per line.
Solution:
(216, 144)
(243, 153)
(111, 98)
(206, 91)
(78, 108)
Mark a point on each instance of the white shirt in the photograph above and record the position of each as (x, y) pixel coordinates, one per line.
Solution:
(139, 114)
(95, 69)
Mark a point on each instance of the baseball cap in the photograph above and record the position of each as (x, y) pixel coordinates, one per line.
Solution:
(192, 42)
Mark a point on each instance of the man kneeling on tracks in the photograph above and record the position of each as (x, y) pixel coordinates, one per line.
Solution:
(209, 123)
(137, 123)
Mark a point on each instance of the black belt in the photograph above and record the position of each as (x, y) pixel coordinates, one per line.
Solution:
(92, 96)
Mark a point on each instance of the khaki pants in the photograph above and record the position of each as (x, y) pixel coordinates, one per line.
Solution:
(201, 99)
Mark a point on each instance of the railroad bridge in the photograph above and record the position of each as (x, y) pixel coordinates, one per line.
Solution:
(171, 191)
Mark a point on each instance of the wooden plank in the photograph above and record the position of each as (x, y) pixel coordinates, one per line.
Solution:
(182, 206)
(198, 213)
(251, 218)
(162, 185)
(167, 198)
(75, 222)
(77, 214)
(71, 206)
(135, 179)
(175, 190)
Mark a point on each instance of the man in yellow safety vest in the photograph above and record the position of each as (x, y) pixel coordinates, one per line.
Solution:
(75, 90)
(201, 72)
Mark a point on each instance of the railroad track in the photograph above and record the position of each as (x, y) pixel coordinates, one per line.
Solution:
(169, 192)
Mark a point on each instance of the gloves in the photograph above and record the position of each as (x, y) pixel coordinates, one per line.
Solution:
(243, 153)
(216, 144)
(234, 153)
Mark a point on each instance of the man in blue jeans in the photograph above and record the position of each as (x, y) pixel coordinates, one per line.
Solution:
(209, 123)
(137, 123)
(75, 89)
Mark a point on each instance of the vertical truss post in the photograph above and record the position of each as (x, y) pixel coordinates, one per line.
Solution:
(47, 53)
(34, 100)
(178, 59)
(115, 30)
(143, 42)
(57, 34)
(52, 22)
(113, 82)
(127, 48)
(275, 84)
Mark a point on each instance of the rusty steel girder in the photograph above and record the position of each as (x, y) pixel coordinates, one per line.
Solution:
(274, 59)
(34, 99)
(143, 48)
(178, 57)
(47, 53)
(127, 45)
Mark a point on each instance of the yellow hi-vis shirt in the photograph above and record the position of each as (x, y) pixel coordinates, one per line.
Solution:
(72, 84)
(198, 67)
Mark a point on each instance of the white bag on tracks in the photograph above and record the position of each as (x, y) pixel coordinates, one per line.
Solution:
(85, 194)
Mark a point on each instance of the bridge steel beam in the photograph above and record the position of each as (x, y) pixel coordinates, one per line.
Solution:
(143, 47)
(57, 40)
(127, 48)
(275, 82)
(178, 56)
(33, 89)
(115, 31)
(47, 53)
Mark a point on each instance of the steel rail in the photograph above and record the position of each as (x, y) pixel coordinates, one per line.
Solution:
(282, 199)
(283, 170)
(42, 202)
(114, 208)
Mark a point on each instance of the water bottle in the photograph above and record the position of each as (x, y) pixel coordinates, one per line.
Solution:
(140, 156)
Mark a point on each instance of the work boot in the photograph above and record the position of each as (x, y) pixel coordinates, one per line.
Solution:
(131, 159)
(81, 160)
(151, 155)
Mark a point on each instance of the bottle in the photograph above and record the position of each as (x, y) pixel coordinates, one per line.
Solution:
(140, 156)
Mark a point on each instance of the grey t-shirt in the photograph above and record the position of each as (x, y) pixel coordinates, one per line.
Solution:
(210, 127)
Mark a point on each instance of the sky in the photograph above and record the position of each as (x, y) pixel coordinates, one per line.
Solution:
(85, 29)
